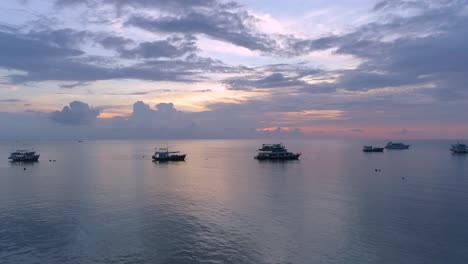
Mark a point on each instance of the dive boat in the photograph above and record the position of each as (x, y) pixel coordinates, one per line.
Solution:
(399, 145)
(459, 148)
(163, 154)
(372, 149)
(275, 152)
(24, 156)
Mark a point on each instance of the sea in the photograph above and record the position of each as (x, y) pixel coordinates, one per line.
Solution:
(107, 202)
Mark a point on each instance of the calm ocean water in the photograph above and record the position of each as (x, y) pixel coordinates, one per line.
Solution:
(107, 202)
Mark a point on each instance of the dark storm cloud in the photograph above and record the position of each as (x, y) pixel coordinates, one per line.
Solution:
(77, 113)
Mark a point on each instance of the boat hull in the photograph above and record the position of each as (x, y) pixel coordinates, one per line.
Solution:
(34, 158)
(459, 151)
(373, 150)
(401, 147)
(290, 157)
(170, 158)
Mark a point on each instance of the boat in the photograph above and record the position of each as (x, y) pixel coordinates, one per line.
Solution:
(372, 149)
(275, 152)
(459, 148)
(24, 156)
(163, 154)
(399, 145)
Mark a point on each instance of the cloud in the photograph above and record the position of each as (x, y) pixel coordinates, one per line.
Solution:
(172, 47)
(411, 62)
(63, 38)
(10, 100)
(403, 131)
(233, 26)
(141, 92)
(114, 42)
(23, 52)
(73, 85)
(426, 48)
(279, 81)
(159, 4)
(77, 113)
(202, 91)
(39, 61)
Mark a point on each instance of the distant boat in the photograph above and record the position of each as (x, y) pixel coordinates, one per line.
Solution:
(24, 156)
(163, 154)
(372, 149)
(459, 148)
(399, 145)
(275, 152)
(80, 141)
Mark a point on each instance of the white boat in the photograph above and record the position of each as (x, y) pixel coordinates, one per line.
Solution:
(459, 148)
(399, 145)
(24, 155)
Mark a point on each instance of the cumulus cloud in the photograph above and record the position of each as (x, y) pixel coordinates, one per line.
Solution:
(77, 113)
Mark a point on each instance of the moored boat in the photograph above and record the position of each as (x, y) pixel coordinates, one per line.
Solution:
(22, 155)
(163, 154)
(399, 145)
(275, 152)
(459, 148)
(372, 149)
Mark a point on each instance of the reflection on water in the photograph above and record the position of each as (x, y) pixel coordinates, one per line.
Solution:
(107, 202)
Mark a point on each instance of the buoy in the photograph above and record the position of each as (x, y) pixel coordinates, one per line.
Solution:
(24, 168)
(402, 178)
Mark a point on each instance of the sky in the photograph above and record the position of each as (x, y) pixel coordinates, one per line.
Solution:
(111, 69)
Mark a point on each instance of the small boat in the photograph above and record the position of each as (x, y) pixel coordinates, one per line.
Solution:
(399, 145)
(275, 152)
(372, 149)
(163, 154)
(459, 148)
(24, 156)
